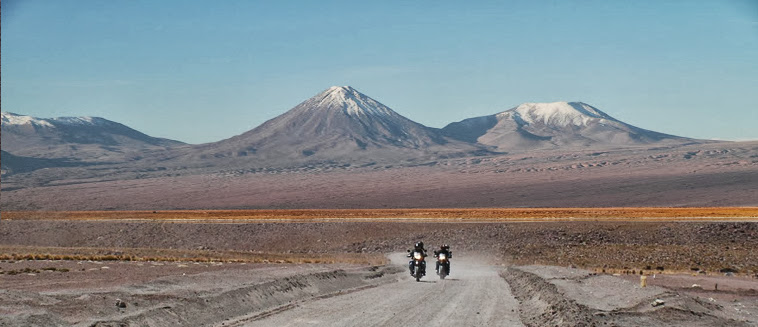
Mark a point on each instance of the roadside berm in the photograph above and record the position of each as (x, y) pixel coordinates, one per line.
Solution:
(558, 296)
(216, 297)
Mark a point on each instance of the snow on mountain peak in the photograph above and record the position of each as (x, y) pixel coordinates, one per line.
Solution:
(351, 102)
(345, 88)
(14, 119)
(86, 120)
(556, 113)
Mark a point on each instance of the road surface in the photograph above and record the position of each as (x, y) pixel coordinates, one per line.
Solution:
(473, 295)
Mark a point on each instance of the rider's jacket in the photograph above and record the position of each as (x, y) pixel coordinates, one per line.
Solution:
(422, 250)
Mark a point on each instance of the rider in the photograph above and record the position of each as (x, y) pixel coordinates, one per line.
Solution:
(418, 247)
(446, 250)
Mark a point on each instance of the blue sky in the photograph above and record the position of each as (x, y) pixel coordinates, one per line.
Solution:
(202, 71)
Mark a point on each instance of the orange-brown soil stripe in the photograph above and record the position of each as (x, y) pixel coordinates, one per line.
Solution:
(662, 214)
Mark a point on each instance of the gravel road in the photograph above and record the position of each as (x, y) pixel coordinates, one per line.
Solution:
(473, 295)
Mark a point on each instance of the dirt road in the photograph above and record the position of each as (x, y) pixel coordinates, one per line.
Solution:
(89, 293)
(473, 295)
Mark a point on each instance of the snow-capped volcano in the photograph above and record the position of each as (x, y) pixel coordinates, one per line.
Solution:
(338, 123)
(551, 125)
(349, 100)
(342, 111)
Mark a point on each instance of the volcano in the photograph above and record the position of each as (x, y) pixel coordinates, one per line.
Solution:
(339, 124)
(531, 126)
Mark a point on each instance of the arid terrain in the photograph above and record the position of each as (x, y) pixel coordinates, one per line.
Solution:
(272, 163)
(546, 267)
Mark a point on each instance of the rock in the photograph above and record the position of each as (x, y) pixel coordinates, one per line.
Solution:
(658, 302)
(120, 304)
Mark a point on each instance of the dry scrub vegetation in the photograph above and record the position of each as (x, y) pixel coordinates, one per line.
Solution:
(143, 254)
(615, 239)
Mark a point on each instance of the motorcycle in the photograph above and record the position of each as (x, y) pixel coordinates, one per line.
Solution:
(417, 264)
(443, 265)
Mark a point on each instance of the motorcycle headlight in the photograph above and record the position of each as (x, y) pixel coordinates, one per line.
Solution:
(443, 256)
(417, 255)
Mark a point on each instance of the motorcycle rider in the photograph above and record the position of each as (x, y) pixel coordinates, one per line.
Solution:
(418, 247)
(446, 250)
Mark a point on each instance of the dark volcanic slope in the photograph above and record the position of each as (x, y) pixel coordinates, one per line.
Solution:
(18, 164)
(552, 125)
(339, 124)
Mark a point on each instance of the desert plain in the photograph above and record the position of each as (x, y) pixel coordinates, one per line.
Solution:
(511, 267)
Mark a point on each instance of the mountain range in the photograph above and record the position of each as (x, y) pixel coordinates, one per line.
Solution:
(339, 125)
(343, 149)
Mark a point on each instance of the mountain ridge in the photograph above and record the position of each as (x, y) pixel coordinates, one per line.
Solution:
(75, 138)
(338, 126)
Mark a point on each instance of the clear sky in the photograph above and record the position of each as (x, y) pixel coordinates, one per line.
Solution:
(202, 71)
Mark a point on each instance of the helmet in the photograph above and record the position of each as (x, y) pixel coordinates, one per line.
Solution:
(445, 247)
(419, 245)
